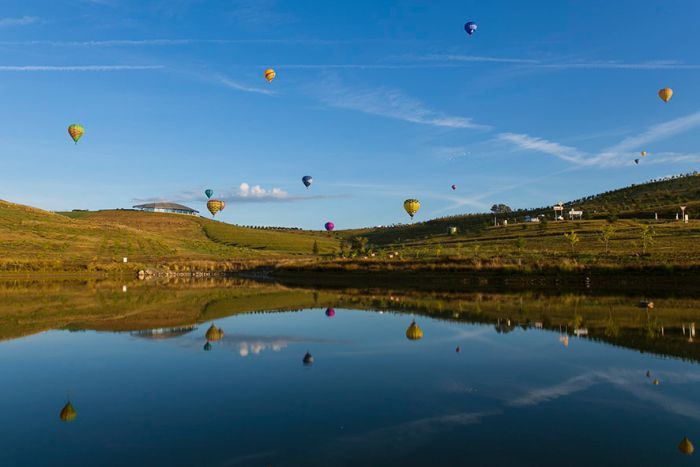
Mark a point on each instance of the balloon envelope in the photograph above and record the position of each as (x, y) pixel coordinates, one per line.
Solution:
(209, 192)
(665, 94)
(411, 206)
(636, 161)
(329, 226)
(307, 180)
(215, 205)
(470, 27)
(270, 75)
(330, 312)
(643, 154)
(68, 413)
(454, 187)
(76, 132)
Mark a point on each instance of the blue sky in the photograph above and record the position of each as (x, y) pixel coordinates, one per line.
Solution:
(378, 100)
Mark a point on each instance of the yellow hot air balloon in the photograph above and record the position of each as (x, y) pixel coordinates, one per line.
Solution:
(68, 413)
(214, 333)
(665, 94)
(411, 206)
(270, 75)
(215, 205)
(685, 446)
(414, 332)
(76, 132)
(643, 154)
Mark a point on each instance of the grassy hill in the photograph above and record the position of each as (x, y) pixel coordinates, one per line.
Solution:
(32, 239)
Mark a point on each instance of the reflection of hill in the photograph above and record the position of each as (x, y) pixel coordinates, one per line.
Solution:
(157, 309)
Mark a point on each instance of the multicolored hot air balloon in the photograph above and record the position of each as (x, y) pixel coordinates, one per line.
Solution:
(330, 312)
(665, 94)
(209, 192)
(68, 413)
(643, 154)
(414, 332)
(329, 226)
(270, 75)
(411, 206)
(215, 205)
(76, 132)
(454, 187)
(307, 180)
(470, 27)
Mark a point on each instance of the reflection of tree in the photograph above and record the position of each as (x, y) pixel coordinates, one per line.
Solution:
(504, 326)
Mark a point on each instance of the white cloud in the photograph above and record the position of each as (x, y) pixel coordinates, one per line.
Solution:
(390, 103)
(476, 58)
(23, 21)
(40, 68)
(257, 192)
(542, 145)
(242, 87)
(656, 133)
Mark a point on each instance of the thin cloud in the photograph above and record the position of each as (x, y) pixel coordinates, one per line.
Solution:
(245, 193)
(23, 21)
(90, 68)
(656, 133)
(229, 83)
(260, 13)
(477, 59)
(614, 65)
(542, 145)
(391, 103)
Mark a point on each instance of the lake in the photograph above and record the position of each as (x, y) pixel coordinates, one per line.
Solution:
(522, 378)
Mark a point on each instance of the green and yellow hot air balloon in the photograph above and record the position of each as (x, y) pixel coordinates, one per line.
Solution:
(215, 205)
(414, 332)
(76, 132)
(685, 446)
(411, 206)
(214, 333)
(68, 413)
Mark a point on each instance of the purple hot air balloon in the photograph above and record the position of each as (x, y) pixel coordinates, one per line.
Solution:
(329, 226)
(470, 27)
(330, 312)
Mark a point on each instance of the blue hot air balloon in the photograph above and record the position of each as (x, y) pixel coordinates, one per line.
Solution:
(470, 27)
(307, 180)
(208, 192)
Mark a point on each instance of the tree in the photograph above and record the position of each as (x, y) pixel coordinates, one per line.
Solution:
(359, 244)
(573, 239)
(314, 249)
(520, 244)
(647, 238)
(606, 233)
(501, 209)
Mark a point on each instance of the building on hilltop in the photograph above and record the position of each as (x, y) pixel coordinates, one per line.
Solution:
(166, 207)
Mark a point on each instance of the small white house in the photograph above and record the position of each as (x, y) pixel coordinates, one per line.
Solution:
(575, 215)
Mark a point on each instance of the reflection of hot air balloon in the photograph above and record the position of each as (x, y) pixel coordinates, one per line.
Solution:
(411, 206)
(270, 75)
(329, 226)
(207, 346)
(76, 132)
(636, 161)
(307, 180)
(454, 187)
(330, 312)
(458, 349)
(208, 192)
(308, 359)
(414, 332)
(215, 205)
(656, 382)
(665, 94)
(470, 27)
(685, 446)
(68, 413)
(214, 334)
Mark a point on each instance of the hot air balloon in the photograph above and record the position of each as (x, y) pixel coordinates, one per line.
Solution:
(330, 312)
(665, 94)
(685, 446)
(470, 27)
(209, 192)
(643, 154)
(214, 334)
(454, 187)
(636, 161)
(308, 359)
(307, 180)
(414, 332)
(411, 206)
(215, 205)
(68, 413)
(329, 226)
(270, 75)
(76, 132)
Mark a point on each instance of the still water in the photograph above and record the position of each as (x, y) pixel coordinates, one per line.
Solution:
(537, 380)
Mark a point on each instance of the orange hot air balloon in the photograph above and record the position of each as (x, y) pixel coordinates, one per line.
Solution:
(665, 94)
(76, 132)
(215, 205)
(270, 75)
(68, 413)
